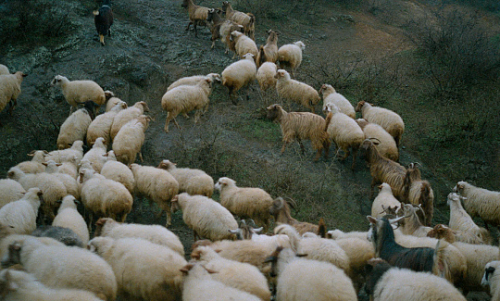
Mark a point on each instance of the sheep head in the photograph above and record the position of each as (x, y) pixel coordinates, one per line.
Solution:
(459, 188)
(143, 104)
(274, 112)
(166, 165)
(57, 80)
(360, 106)
(301, 45)
(224, 182)
(282, 73)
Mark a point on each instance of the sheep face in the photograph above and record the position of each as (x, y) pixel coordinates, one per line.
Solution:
(223, 182)
(454, 197)
(215, 77)
(100, 245)
(459, 188)
(489, 270)
(439, 231)
(144, 105)
(235, 35)
(301, 45)
(360, 106)
(166, 165)
(57, 80)
(281, 73)
(100, 224)
(273, 112)
(273, 35)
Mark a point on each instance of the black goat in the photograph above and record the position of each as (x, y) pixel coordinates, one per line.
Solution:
(103, 19)
(416, 259)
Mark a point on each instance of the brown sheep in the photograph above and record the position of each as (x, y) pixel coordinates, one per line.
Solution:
(389, 120)
(247, 20)
(197, 15)
(222, 28)
(301, 125)
(441, 231)
(419, 192)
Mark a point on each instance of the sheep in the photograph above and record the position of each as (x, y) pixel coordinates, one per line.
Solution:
(490, 278)
(291, 55)
(388, 283)
(10, 89)
(245, 202)
(389, 120)
(69, 217)
(62, 234)
(266, 76)
(68, 181)
(242, 276)
(4, 70)
(385, 199)
(268, 52)
(118, 172)
(244, 45)
(157, 185)
(281, 213)
(383, 169)
(112, 102)
(419, 192)
(96, 155)
(299, 126)
(206, 217)
(184, 99)
(104, 197)
(20, 286)
(10, 191)
(130, 258)
(153, 233)
(74, 128)
(101, 125)
(247, 232)
(411, 223)
(194, 80)
(305, 279)
(53, 189)
(21, 214)
(197, 15)
(296, 91)
(130, 139)
(64, 267)
(344, 132)
(246, 20)
(127, 115)
(338, 234)
(68, 168)
(103, 19)
(387, 146)
(35, 165)
(79, 91)
(477, 256)
(480, 202)
(192, 181)
(331, 96)
(441, 231)
(67, 155)
(238, 75)
(199, 285)
(222, 28)
(462, 222)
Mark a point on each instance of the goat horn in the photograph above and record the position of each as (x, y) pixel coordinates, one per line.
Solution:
(397, 219)
(291, 202)
(373, 138)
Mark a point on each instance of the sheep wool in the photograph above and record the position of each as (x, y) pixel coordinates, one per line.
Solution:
(79, 91)
(4, 70)
(238, 75)
(10, 89)
(194, 80)
(491, 278)
(143, 270)
(331, 96)
(35, 165)
(192, 181)
(101, 125)
(67, 155)
(69, 217)
(119, 172)
(129, 140)
(74, 128)
(112, 102)
(127, 115)
(10, 191)
(68, 181)
(296, 91)
(480, 202)
(384, 200)
(244, 44)
(389, 120)
(266, 76)
(387, 146)
(291, 55)
(21, 214)
(96, 155)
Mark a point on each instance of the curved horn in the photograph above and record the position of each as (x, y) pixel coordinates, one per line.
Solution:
(291, 202)
(373, 138)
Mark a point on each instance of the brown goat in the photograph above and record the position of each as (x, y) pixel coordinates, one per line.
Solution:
(268, 52)
(221, 27)
(197, 15)
(441, 231)
(419, 192)
(301, 125)
(281, 212)
(383, 169)
(246, 20)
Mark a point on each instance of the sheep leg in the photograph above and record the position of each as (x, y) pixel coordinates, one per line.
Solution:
(140, 157)
(195, 30)
(318, 155)
(311, 106)
(101, 39)
(486, 225)
(185, 115)
(189, 25)
(354, 153)
(170, 116)
(285, 142)
(302, 148)
(12, 105)
(197, 116)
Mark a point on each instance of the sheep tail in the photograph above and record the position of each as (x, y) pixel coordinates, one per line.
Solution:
(328, 120)
(321, 228)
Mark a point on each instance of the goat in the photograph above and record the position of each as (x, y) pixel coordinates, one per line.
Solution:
(197, 15)
(419, 192)
(281, 212)
(103, 19)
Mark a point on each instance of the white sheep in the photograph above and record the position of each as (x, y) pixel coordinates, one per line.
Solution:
(157, 185)
(112, 102)
(305, 279)
(104, 197)
(344, 132)
(127, 115)
(68, 181)
(119, 172)
(245, 202)
(296, 91)
(266, 76)
(143, 270)
(69, 217)
(199, 285)
(491, 279)
(67, 155)
(64, 267)
(96, 154)
(10, 89)
(35, 165)
(206, 217)
(101, 125)
(389, 120)
(10, 191)
(152, 233)
(316, 248)
(291, 55)
(480, 202)
(4, 70)
(194, 80)
(339, 234)
(68, 168)
(238, 75)
(333, 97)
(79, 91)
(184, 99)
(192, 181)
(21, 214)
(394, 284)
(461, 221)
(129, 140)
(21, 286)
(242, 276)
(384, 200)
(53, 189)
(387, 146)
(244, 44)
(74, 128)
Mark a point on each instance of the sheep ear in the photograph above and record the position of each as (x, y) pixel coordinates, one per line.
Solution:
(218, 251)
(44, 164)
(371, 219)
(58, 164)
(301, 255)
(187, 268)
(11, 174)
